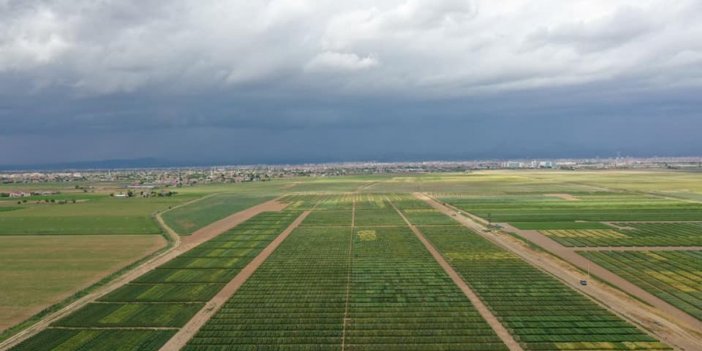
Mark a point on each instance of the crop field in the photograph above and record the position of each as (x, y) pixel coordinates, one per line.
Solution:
(189, 218)
(589, 207)
(674, 276)
(371, 288)
(354, 275)
(541, 312)
(30, 277)
(93, 214)
(632, 234)
(170, 295)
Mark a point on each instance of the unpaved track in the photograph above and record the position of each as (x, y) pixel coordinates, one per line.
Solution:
(188, 331)
(638, 248)
(180, 245)
(485, 312)
(660, 324)
(602, 273)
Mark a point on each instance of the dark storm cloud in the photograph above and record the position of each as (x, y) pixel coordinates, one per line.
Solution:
(270, 81)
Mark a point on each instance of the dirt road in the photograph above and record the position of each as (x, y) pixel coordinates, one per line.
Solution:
(188, 331)
(485, 312)
(180, 246)
(602, 273)
(662, 325)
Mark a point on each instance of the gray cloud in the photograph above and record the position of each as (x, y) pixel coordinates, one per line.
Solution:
(81, 71)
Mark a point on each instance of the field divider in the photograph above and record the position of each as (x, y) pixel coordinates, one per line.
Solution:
(662, 325)
(484, 311)
(349, 277)
(181, 338)
(183, 245)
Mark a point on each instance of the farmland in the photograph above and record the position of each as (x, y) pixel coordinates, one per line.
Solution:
(673, 276)
(29, 264)
(355, 276)
(180, 288)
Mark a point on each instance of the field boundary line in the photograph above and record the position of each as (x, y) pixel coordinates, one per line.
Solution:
(648, 318)
(499, 329)
(187, 332)
(570, 255)
(206, 233)
(349, 276)
(637, 248)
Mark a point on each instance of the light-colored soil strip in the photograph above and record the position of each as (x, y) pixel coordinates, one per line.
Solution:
(188, 331)
(638, 248)
(572, 257)
(181, 245)
(657, 322)
(485, 312)
(567, 197)
(348, 279)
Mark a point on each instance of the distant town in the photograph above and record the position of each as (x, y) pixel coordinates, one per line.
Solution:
(149, 178)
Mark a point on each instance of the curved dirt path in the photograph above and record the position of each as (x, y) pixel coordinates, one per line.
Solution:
(180, 246)
(484, 311)
(662, 325)
(187, 332)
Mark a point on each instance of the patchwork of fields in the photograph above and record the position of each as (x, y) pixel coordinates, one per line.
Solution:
(354, 275)
(164, 299)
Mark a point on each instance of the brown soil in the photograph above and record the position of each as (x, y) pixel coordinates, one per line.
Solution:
(567, 197)
(180, 246)
(666, 324)
(485, 312)
(186, 333)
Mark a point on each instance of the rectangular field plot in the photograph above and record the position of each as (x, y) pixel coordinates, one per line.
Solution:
(328, 218)
(379, 217)
(171, 294)
(295, 300)
(674, 276)
(131, 315)
(541, 312)
(401, 299)
(97, 340)
(593, 208)
(632, 234)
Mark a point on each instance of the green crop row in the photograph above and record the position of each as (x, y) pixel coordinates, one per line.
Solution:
(168, 296)
(674, 276)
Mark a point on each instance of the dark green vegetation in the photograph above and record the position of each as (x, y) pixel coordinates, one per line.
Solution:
(172, 293)
(541, 312)
(674, 276)
(99, 340)
(368, 288)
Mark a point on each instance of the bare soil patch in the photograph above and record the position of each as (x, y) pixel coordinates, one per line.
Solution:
(567, 197)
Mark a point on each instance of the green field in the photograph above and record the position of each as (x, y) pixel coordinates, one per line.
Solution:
(353, 275)
(675, 277)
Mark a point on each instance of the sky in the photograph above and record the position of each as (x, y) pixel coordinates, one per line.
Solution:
(291, 81)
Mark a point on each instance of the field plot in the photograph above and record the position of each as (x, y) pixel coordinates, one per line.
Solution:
(675, 277)
(632, 234)
(295, 300)
(39, 271)
(187, 219)
(541, 312)
(590, 207)
(93, 215)
(170, 295)
(99, 340)
(401, 299)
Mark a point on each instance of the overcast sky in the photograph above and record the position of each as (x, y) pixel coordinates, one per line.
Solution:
(293, 81)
